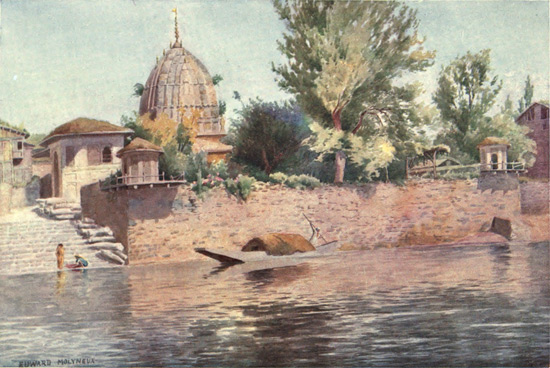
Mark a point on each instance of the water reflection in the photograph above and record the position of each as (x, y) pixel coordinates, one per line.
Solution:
(436, 306)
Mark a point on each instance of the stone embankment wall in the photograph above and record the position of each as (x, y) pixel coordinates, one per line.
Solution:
(535, 197)
(170, 222)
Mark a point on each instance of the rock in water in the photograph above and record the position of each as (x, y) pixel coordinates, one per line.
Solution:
(278, 244)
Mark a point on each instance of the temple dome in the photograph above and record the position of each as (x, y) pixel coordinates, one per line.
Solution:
(180, 80)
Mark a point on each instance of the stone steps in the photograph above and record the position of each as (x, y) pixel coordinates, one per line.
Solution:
(28, 239)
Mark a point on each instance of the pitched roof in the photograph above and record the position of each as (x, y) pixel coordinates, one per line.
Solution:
(85, 126)
(529, 107)
(139, 144)
(492, 141)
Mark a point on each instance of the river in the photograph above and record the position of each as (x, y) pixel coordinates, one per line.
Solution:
(404, 307)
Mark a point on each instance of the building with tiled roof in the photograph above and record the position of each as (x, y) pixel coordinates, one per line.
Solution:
(82, 151)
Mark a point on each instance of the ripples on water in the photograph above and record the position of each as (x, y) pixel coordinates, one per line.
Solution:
(421, 306)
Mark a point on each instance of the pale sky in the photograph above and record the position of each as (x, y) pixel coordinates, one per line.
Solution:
(62, 59)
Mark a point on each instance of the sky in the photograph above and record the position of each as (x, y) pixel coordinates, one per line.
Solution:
(63, 59)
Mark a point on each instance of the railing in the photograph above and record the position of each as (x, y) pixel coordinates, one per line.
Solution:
(503, 166)
(121, 181)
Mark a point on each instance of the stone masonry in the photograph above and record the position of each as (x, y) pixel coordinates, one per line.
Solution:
(29, 237)
(168, 223)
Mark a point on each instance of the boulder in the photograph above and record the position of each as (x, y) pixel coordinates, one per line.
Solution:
(502, 227)
(278, 244)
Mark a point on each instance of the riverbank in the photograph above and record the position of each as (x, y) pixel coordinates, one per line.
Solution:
(168, 223)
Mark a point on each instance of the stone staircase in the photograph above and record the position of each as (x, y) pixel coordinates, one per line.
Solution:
(29, 237)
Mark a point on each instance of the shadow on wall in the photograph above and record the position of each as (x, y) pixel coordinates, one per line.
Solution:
(151, 203)
(46, 186)
(32, 191)
(497, 181)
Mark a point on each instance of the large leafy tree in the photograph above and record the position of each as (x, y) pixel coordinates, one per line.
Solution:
(267, 133)
(466, 92)
(343, 60)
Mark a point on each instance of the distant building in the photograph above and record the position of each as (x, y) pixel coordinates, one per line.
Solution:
(179, 81)
(536, 118)
(15, 156)
(81, 152)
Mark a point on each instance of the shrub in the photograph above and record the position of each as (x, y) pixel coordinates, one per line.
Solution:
(219, 169)
(242, 186)
(196, 167)
(278, 178)
(295, 181)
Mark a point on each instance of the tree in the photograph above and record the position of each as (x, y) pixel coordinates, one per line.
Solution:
(343, 57)
(466, 92)
(525, 101)
(266, 133)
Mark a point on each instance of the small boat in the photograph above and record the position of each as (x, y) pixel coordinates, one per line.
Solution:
(228, 257)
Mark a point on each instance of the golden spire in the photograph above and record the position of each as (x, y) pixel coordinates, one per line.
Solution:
(176, 30)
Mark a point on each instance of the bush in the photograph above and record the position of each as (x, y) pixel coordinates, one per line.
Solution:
(196, 167)
(219, 169)
(295, 181)
(278, 178)
(242, 186)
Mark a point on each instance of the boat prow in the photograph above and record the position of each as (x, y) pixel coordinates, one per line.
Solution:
(227, 257)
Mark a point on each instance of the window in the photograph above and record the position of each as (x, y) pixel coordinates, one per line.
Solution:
(531, 114)
(20, 145)
(106, 155)
(69, 156)
(544, 113)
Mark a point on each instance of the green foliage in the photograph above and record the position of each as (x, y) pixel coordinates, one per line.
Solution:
(219, 169)
(503, 125)
(172, 162)
(222, 107)
(112, 179)
(196, 167)
(527, 98)
(295, 181)
(278, 178)
(343, 58)
(466, 92)
(216, 79)
(133, 122)
(367, 154)
(266, 133)
(241, 186)
(138, 90)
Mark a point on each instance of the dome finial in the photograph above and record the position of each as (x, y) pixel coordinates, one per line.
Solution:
(177, 43)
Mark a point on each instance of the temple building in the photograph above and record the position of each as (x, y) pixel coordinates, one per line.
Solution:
(81, 152)
(180, 87)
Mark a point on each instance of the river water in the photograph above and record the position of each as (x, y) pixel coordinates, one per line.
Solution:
(419, 306)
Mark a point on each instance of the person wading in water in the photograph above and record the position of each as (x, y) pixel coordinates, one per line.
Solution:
(60, 254)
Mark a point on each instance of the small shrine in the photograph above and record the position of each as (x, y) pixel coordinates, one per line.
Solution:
(140, 162)
(493, 154)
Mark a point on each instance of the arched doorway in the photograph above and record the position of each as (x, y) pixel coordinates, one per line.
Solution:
(56, 182)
